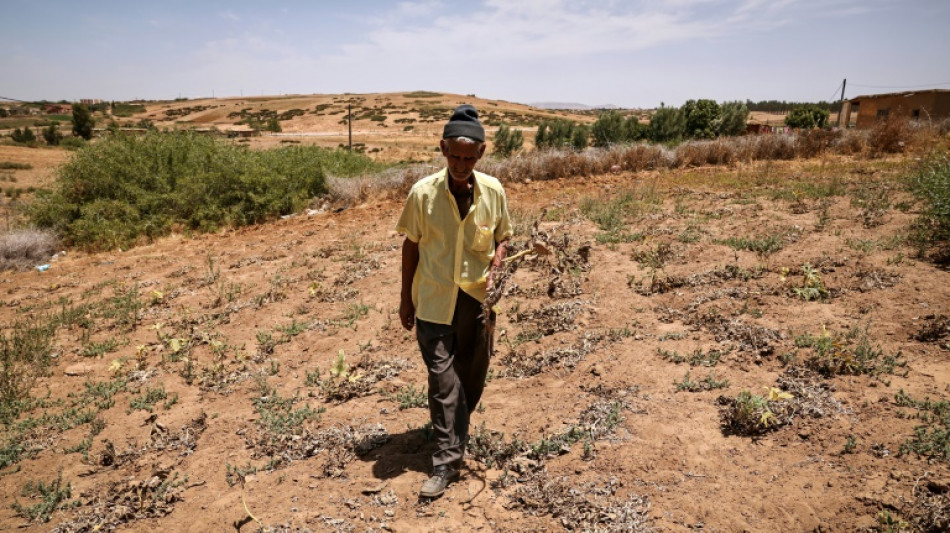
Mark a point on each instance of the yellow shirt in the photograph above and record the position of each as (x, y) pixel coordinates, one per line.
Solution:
(453, 253)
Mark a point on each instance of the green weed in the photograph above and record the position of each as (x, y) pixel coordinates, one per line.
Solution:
(147, 399)
(52, 496)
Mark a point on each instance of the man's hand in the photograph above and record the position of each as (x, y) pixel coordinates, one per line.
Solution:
(407, 314)
(410, 261)
(501, 251)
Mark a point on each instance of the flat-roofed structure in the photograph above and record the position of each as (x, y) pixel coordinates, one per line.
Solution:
(865, 111)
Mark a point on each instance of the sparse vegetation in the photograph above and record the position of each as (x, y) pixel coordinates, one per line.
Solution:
(125, 189)
(930, 182)
(283, 340)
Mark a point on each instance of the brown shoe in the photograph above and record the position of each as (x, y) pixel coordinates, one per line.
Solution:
(442, 476)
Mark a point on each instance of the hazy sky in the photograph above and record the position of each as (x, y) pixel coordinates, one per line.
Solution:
(628, 53)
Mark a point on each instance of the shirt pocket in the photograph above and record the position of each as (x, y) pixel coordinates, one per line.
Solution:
(482, 238)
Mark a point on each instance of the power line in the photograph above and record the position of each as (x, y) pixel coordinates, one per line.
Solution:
(835, 93)
(900, 87)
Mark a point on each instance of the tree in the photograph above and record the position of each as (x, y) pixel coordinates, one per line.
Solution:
(273, 125)
(556, 133)
(507, 141)
(82, 121)
(732, 118)
(52, 135)
(4, 113)
(667, 124)
(701, 116)
(608, 129)
(807, 117)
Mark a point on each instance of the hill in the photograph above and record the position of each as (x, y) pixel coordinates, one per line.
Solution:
(391, 126)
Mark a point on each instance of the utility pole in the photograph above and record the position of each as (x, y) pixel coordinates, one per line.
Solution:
(349, 123)
(844, 115)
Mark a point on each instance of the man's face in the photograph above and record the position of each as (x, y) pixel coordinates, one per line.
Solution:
(460, 157)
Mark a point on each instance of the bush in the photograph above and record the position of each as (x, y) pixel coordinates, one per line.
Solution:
(507, 141)
(701, 118)
(560, 133)
(930, 182)
(813, 142)
(732, 120)
(668, 124)
(52, 135)
(126, 188)
(608, 129)
(25, 136)
(807, 117)
(73, 143)
(25, 248)
(890, 136)
(634, 130)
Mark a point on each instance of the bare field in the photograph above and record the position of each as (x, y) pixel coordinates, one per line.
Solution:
(198, 383)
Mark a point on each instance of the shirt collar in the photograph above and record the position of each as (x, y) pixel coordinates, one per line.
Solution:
(476, 189)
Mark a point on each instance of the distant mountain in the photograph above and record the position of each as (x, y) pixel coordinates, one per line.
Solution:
(572, 106)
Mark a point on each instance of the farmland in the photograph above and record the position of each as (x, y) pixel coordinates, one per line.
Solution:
(750, 346)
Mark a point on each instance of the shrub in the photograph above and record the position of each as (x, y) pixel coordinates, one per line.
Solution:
(668, 124)
(807, 117)
(25, 136)
(52, 135)
(701, 117)
(72, 143)
(930, 182)
(890, 136)
(608, 129)
(634, 130)
(26, 247)
(814, 142)
(125, 188)
(507, 141)
(732, 119)
(560, 133)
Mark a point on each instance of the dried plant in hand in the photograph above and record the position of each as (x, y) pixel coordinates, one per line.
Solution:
(543, 251)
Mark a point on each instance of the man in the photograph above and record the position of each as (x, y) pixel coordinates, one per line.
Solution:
(456, 226)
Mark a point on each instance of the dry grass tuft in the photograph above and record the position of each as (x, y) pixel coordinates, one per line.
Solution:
(24, 248)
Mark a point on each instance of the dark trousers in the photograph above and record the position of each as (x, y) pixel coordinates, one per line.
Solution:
(457, 358)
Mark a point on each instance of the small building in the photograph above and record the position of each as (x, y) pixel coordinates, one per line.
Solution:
(865, 111)
(58, 109)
